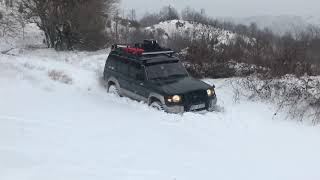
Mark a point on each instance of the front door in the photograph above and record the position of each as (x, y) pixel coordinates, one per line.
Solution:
(123, 76)
(137, 85)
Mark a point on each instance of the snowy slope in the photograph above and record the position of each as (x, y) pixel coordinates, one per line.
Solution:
(193, 30)
(63, 131)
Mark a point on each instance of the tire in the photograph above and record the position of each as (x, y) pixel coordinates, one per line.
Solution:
(112, 89)
(212, 108)
(157, 105)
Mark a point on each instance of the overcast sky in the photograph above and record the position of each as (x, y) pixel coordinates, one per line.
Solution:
(232, 8)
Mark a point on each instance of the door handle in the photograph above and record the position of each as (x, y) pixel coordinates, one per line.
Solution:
(141, 84)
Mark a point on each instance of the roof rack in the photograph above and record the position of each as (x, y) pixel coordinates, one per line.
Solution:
(158, 52)
(148, 47)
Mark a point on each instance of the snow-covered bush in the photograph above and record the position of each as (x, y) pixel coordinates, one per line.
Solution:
(300, 96)
(60, 76)
(9, 23)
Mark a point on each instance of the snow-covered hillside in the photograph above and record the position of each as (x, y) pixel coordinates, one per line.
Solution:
(53, 129)
(194, 30)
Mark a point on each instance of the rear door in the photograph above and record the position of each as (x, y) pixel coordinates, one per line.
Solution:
(110, 67)
(123, 79)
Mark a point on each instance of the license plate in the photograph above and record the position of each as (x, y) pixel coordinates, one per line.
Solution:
(196, 107)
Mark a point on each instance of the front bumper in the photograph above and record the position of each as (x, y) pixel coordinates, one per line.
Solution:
(176, 109)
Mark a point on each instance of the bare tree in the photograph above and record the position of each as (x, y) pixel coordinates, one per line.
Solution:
(132, 15)
(189, 14)
(168, 13)
(9, 26)
(149, 19)
(77, 23)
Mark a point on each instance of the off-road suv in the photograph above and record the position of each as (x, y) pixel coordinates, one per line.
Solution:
(146, 72)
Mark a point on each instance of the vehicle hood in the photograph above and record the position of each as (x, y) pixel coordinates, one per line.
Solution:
(182, 86)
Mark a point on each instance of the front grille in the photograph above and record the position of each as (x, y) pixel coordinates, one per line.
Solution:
(196, 98)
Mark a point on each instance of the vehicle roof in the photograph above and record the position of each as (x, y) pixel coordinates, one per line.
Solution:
(148, 52)
(147, 59)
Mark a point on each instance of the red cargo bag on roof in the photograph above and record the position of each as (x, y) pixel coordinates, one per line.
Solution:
(133, 50)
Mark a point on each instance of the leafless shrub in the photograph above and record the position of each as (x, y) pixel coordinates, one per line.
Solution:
(9, 24)
(300, 96)
(60, 76)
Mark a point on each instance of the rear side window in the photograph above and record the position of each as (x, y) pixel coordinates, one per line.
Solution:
(135, 69)
(111, 63)
(118, 64)
(122, 66)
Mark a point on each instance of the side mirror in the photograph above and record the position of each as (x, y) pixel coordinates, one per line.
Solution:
(213, 86)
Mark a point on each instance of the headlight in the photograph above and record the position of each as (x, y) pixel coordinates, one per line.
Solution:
(210, 92)
(174, 99)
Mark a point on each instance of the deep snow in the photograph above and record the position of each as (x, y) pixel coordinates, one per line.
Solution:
(55, 131)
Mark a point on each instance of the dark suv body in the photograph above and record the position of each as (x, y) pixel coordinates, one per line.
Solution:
(155, 76)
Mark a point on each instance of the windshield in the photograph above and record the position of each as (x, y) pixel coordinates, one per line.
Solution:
(166, 71)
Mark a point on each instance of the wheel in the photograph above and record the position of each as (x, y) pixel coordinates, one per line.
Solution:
(113, 90)
(157, 105)
(212, 108)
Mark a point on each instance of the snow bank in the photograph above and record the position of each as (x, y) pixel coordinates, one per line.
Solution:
(51, 130)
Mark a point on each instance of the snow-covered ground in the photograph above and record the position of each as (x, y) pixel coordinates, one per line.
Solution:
(73, 130)
(58, 123)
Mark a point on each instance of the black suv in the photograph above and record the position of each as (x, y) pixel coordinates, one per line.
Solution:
(146, 72)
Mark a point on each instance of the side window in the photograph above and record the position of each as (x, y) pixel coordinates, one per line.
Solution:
(123, 66)
(111, 63)
(136, 71)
